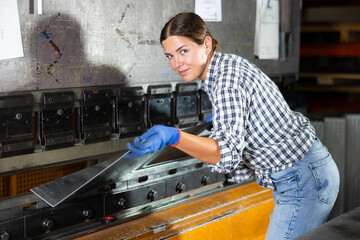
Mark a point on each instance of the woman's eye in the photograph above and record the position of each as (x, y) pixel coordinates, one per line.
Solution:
(183, 51)
(169, 56)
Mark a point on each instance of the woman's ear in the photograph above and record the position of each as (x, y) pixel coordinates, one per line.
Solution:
(208, 44)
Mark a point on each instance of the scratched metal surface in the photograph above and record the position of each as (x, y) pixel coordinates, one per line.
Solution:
(90, 43)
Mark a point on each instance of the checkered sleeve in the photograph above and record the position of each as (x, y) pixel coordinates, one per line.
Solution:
(229, 111)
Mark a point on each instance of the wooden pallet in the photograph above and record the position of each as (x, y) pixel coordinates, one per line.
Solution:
(349, 32)
(332, 78)
(338, 89)
(330, 82)
(330, 50)
(347, 46)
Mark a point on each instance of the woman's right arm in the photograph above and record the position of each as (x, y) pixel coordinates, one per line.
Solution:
(202, 148)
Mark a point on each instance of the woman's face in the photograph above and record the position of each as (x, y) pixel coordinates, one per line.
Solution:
(187, 58)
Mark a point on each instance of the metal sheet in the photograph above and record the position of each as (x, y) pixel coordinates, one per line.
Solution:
(344, 227)
(72, 185)
(57, 191)
(319, 129)
(352, 161)
(335, 141)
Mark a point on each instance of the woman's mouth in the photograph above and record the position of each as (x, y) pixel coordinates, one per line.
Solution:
(182, 73)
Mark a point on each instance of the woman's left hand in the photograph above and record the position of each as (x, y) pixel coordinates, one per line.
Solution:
(153, 140)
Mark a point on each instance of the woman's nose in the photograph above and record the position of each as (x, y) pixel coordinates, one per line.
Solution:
(178, 62)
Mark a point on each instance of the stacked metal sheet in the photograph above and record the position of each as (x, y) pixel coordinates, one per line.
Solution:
(341, 135)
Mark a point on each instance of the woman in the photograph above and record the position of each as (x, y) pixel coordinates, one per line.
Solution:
(254, 130)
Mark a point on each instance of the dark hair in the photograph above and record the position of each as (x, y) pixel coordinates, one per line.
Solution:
(188, 25)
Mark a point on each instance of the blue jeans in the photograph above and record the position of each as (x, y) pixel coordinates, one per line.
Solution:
(304, 194)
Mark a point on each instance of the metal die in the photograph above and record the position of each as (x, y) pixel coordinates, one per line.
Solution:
(55, 120)
(16, 136)
(94, 115)
(129, 111)
(205, 105)
(186, 104)
(159, 105)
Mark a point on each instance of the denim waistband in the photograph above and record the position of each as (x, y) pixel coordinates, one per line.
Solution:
(317, 146)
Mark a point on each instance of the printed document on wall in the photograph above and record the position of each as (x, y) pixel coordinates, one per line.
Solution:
(267, 29)
(10, 33)
(209, 10)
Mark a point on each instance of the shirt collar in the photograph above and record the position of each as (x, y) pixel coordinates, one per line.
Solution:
(211, 72)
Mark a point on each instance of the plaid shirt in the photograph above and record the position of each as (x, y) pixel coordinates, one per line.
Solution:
(256, 130)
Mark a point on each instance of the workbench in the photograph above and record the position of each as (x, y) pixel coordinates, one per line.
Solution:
(242, 212)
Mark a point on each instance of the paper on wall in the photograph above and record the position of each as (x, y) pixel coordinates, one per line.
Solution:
(209, 10)
(10, 33)
(266, 44)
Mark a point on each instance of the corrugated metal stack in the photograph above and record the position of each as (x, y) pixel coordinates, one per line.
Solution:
(341, 135)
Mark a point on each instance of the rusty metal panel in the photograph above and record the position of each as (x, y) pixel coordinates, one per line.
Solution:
(90, 43)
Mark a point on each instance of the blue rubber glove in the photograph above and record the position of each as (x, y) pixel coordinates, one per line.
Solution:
(208, 120)
(153, 140)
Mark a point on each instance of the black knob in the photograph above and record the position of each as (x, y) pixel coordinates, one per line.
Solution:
(122, 203)
(4, 235)
(205, 180)
(97, 108)
(60, 112)
(88, 213)
(152, 195)
(180, 187)
(47, 224)
(18, 116)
